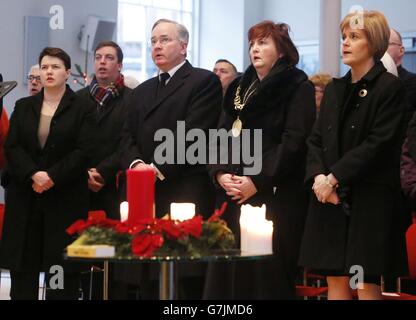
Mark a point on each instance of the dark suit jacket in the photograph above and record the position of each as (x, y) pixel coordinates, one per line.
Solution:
(192, 95)
(110, 123)
(66, 157)
(409, 80)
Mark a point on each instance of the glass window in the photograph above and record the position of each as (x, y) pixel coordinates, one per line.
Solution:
(135, 21)
(308, 56)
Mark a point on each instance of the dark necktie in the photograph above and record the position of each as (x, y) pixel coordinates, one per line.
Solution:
(163, 78)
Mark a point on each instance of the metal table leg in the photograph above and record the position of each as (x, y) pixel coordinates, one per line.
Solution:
(167, 281)
(105, 281)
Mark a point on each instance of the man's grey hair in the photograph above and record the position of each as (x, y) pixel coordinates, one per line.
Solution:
(183, 33)
(398, 34)
(35, 66)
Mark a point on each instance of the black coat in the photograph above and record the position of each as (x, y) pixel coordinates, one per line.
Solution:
(284, 110)
(107, 153)
(358, 139)
(192, 95)
(409, 80)
(65, 157)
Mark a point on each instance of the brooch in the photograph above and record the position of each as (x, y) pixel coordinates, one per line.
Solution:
(363, 93)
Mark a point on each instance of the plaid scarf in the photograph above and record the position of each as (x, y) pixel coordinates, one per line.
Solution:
(104, 95)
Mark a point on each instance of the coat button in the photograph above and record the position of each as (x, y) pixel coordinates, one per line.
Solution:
(352, 127)
(357, 105)
(329, 128)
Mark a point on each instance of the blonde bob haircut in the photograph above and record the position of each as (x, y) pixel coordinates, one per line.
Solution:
(375, 26)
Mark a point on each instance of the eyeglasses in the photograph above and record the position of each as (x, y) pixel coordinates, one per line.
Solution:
(32, 77)
(395, 44)
(162, 40)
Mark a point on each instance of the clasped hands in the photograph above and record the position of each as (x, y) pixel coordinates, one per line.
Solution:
(325, 190)
(41, 182)
(238, 188)
(95, 180)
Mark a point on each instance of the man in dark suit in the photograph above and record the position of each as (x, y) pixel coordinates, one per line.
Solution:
(181, 93)
(397, 51)
(110, 98)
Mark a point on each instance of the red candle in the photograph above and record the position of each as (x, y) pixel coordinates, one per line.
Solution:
(140, 195)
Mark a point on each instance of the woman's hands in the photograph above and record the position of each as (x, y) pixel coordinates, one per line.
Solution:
(238, 188)
(325, 189)
(41, 182)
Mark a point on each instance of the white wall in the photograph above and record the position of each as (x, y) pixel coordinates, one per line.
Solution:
(75, 15)
(222, 33)
(400, 13)
(301, 15)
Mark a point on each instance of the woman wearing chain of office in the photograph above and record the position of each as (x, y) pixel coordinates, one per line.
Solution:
(277, 98)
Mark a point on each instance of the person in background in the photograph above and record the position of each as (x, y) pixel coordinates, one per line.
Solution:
(226, 71)
(320, 81)
(48, 150)
(276, 98)
(34, 85)
(397, 52)
(357, 216)
(109, 97)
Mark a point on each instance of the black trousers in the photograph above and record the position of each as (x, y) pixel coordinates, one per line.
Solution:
(25, 286)
(25, 277)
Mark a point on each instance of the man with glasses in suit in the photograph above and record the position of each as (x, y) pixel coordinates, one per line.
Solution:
(397, 51)
(34, 85)
(182, 93)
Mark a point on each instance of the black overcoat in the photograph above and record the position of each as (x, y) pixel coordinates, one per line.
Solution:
(284, 110)
(358, 138)
(107, 160)
(192, 96)
(65, 157)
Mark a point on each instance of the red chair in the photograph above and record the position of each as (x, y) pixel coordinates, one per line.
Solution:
(1, 218)
(411, 258)
(411, 250)
(311, 291)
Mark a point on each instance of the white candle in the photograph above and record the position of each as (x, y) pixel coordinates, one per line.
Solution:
(256, 232)
(182, 211)
(124, 211)
(261, 238)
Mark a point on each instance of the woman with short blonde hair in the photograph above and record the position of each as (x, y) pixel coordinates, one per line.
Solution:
(356, 217)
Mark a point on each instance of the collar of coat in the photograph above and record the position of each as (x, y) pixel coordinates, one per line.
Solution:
(280, 82)
(371, 75)
(66, 100)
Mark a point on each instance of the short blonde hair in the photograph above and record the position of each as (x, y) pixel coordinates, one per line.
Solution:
(320, 79)
(376, 28)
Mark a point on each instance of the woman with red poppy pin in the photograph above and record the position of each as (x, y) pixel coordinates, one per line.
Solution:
(50, 139)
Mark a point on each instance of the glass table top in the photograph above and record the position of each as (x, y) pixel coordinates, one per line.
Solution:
(226, 255)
